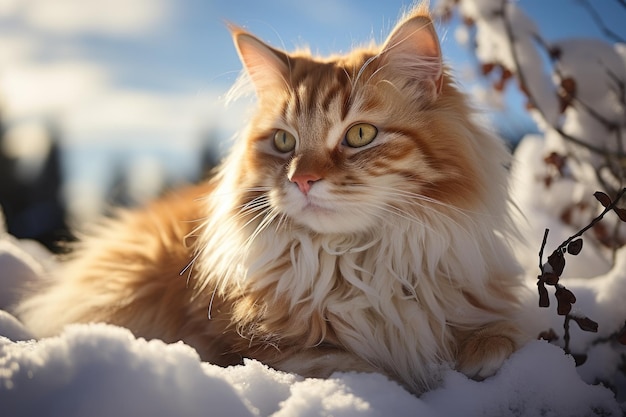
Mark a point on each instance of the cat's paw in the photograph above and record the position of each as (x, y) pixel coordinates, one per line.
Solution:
(483, 352)
(322, 363)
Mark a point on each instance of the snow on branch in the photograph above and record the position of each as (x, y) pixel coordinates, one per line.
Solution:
(575, 90)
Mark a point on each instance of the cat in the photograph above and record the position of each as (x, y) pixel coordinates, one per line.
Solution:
(358, 224)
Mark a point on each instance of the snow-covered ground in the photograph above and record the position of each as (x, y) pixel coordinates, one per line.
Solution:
(101, 370)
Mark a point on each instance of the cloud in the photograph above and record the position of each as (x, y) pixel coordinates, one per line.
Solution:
(111, 17)
(15, 48)
(88, 106)
(148, 116)
(35, 90)
(8, 7)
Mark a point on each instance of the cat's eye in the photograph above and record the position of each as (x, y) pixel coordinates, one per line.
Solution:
(360, 134)
(284, 141)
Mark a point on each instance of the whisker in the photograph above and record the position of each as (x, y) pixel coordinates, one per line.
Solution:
(267, 220)
(418, 200)
(420, 197)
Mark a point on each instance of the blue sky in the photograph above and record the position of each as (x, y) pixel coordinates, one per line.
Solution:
(143, 79)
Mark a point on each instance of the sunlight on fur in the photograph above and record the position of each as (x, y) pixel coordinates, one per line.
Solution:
(314, 250)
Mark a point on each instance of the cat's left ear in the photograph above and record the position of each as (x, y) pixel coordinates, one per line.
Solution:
(412, 51)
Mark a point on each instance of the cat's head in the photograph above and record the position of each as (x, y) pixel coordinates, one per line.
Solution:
(347, 143)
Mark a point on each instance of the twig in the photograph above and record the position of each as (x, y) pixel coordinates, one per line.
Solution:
(600, 23)
(543, 245)
(566, 335)
(552, 270)
(595, 220)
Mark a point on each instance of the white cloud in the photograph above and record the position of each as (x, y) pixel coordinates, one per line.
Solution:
(140, 114)
(32, 90)
(82, 97)
(8, 7)
(15, 49)
(111, 17)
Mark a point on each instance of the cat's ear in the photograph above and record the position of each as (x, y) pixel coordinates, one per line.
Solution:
(268, 67)
(412, 51)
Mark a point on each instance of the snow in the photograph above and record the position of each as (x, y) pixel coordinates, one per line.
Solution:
(103, 370)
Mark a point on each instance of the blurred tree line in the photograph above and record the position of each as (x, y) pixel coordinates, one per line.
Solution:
(33, 206)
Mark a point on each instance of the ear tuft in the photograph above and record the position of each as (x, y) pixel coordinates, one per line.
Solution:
(412, 51)
(268, 67)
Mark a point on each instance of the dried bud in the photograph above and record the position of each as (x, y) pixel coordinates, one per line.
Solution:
(565, 298)
(557, 160)
(486, 68)
(547, 181)
(586, 324)
(621, 213)
(604, 199)
(564, 103)
(544, 300)
(549, 335)
(468, 21)
(575, 247)
(550, 278)
(557, 262)
(568, 87)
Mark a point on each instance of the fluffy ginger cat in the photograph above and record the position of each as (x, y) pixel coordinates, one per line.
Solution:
(358, 224)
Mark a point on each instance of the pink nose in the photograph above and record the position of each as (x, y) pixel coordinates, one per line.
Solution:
(305, 181)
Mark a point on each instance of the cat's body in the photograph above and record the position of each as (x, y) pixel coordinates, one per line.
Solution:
(359, 224)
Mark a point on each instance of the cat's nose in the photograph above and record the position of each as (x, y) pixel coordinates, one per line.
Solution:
(305, 181)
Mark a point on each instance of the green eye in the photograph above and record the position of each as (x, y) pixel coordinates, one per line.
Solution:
(360, 134)
(284, 141)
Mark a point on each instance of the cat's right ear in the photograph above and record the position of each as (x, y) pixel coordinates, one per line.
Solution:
(267, 67)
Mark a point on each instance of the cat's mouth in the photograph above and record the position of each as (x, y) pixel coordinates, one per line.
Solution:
(323, 217)
(314, 207)
(321, 211)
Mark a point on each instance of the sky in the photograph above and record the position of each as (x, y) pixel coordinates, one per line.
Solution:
(144, 80)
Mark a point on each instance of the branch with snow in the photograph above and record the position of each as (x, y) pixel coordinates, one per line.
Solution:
(576, 93)
(579, 99)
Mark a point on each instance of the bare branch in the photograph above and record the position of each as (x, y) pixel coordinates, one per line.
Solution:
(600, 23)
(525, 87)
(543, 246)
